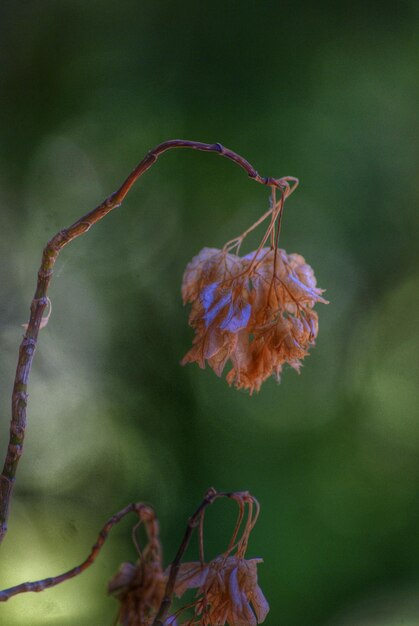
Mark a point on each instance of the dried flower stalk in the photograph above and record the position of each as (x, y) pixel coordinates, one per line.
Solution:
(40, 300)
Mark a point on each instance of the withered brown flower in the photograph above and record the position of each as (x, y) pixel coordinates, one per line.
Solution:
(140, 587)
(255, 311)
(228, 589)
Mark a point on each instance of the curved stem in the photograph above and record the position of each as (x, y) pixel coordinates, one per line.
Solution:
(46, 583)
(40, 300)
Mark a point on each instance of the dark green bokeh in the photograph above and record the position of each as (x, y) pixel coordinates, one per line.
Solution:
(327, 92)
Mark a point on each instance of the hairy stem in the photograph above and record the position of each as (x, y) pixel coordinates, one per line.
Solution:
(40, 300)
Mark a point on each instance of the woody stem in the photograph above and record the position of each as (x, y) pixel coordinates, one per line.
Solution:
(46, 583)
(40, 300)
(194, 521)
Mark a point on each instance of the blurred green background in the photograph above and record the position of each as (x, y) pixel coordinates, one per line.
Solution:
(324, 91)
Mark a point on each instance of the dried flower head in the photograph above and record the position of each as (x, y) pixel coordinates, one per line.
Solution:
(227, 587)
(228, 592)
(255, 311)
(140, 587)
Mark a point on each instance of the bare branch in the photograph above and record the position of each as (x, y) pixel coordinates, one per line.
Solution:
(46, 583)
(27, 348)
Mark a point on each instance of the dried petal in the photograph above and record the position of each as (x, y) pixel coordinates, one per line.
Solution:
(228, 589)
(190, 576)
(122, 579)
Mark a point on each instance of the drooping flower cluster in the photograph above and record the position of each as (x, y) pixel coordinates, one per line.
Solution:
(227, 590)
(255, 311)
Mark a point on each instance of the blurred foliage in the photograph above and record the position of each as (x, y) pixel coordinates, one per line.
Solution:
(324, 91)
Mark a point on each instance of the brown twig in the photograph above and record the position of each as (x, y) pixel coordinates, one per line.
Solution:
(40, 300)
(46, 583)
(193, 522)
